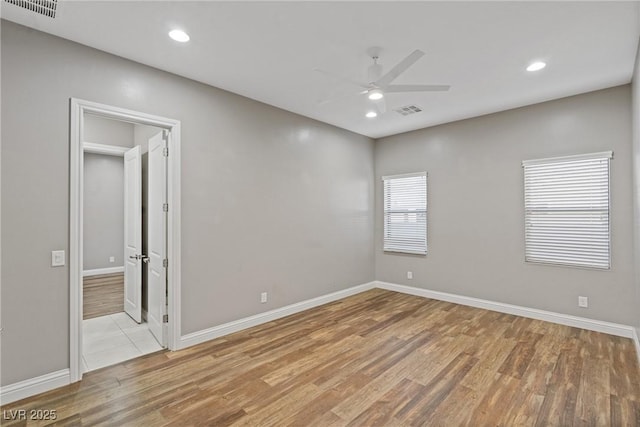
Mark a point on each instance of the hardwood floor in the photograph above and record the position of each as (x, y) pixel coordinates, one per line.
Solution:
(375, 359)
(103, 295)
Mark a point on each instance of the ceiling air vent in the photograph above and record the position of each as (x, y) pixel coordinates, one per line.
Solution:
(407, 110)
(42, 7)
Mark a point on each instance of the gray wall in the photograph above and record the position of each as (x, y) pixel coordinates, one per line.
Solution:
(103, 211)
(104, 193)
(141, 135)
(108, 132)
(475, 207)
(271, 201)
(635, 111)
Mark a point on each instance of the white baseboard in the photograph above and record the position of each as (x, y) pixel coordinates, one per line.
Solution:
(41, 384)
(99, 271)
(33, 386)
(532, 313)
(258, 319)
(636, 340)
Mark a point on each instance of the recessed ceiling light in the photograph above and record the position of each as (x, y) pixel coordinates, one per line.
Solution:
(375, 94)
(536, 66)
(179, 36)
(371, 114)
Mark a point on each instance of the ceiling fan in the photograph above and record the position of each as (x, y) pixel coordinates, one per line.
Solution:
(380, 84)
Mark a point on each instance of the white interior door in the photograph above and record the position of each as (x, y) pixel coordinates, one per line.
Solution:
(133, 234)
(156, 240)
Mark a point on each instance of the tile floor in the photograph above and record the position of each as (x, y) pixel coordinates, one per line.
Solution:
(114, 338)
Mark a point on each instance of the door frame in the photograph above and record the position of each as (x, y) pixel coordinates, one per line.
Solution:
(76, 217)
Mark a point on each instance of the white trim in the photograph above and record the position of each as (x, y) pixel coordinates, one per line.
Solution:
(258, 319)
(109, 150)
(636, 341)
(99, 271)
(47, 382)
(78, 109)
(588, 156)
(174, 221)
(76, 167)
(532, 313)
(404, 251)
(23, 389)
(404, 175)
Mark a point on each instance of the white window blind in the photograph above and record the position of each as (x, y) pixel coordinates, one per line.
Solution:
(405, 213)
(567, 210)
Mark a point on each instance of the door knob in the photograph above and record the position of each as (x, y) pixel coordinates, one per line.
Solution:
(143, 257)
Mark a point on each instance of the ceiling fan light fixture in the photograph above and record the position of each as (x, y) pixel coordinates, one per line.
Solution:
(371, 114)
(375, 94)
(536, 66)
(179, 36)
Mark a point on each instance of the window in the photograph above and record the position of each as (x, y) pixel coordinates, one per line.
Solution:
(405, 213)
(567, 210)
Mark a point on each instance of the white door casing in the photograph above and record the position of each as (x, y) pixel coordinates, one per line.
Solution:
(156, 242)
(133, 233)
(78, 109)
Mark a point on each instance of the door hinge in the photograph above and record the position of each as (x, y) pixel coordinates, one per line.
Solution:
(165, 207)
(165, 318)
(165, 151)
(165, 262)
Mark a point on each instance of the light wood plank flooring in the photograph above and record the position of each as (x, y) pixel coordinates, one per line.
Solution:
(375, 359)
(103, 295)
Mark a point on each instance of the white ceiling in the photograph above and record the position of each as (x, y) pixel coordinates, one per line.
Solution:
(268, 50)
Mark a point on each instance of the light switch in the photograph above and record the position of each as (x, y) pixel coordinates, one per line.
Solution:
(57, 258)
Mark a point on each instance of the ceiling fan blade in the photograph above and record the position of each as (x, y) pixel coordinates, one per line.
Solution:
(337, 78)
(416, 88)
(339, 97)
(400, 68)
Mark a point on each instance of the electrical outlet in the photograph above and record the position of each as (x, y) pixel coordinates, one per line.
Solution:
(112, 259)
(263, 297)
(583, 302)
(409, 275)
(57, 258)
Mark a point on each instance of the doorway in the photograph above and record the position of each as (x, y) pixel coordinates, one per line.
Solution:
(143, 270)
(119, 320)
